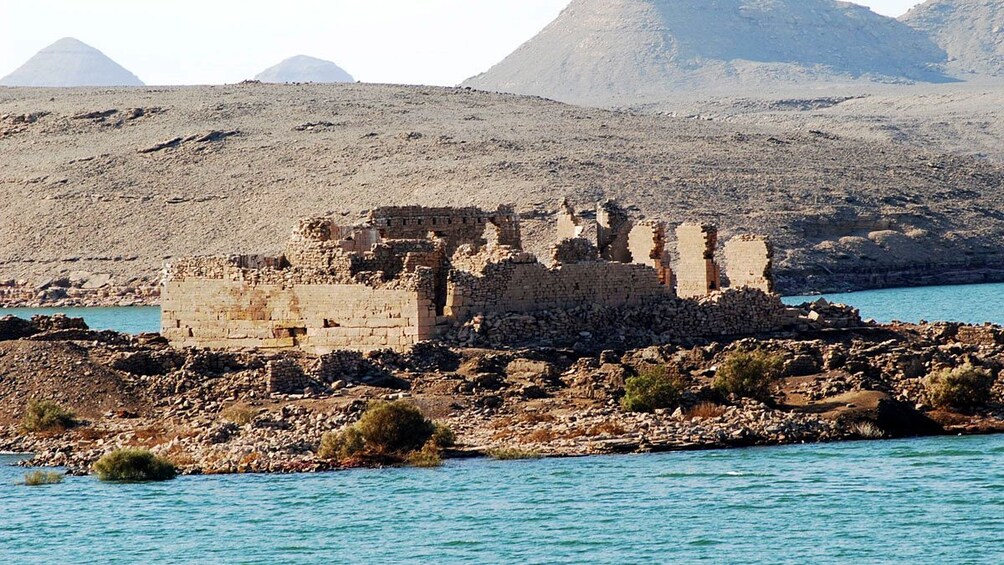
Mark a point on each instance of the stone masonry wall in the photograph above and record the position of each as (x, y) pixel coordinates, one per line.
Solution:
(696, 274)
(655, 321)
(748, 261)
(317, 318)
(457, 226)
(525, 285)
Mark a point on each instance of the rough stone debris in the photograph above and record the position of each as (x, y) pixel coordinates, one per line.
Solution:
(405, 275)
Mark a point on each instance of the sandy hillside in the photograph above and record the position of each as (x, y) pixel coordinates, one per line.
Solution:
(119, 180)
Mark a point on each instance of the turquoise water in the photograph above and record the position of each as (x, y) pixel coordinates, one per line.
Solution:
(132, 319)
(912, 501)
(973, 304)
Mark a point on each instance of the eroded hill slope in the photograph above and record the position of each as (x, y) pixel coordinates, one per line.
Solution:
(118, 181)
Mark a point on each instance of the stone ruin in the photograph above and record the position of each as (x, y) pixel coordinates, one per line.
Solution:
(404, 275)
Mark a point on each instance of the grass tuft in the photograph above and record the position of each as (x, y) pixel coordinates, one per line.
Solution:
(40, 478)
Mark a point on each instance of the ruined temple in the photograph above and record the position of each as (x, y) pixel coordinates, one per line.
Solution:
(403, 275)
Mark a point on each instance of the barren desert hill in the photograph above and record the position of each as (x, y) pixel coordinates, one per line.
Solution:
(70, 62)
(302, 68)
(964, 118)
(970, 31)
(118, 181)
(625, 52)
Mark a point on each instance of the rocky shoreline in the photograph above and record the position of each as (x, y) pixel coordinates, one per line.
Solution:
(236, 412)
(82, 290)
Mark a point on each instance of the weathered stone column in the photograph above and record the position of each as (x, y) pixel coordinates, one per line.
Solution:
(697, 274)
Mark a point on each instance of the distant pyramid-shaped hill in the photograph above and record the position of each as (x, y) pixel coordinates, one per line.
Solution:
(970, 31)
(608, 52)
(69, 62)
(305, 69)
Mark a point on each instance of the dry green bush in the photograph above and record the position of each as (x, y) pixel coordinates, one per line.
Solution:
(240, 414)
(749, 374)
(47, 416)
(134, 465)
(394, 427)
(339, 446)
(655, 387)
(395, 430)
(962, 387)
(431, 455)
(39, 478)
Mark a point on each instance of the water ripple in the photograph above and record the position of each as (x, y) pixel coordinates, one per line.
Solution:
(931, 500)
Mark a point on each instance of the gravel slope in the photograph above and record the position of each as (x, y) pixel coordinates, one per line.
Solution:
(90, 183)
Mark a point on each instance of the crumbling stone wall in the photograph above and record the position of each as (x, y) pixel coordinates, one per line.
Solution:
(573, 250)
(612, 228)
(657, 320)
(569, 225)
(456, 226)
(520, 283)
(317, 318)
(285, 376)
(647, 246)
(407, 274)
(697, 273)
(748, 263)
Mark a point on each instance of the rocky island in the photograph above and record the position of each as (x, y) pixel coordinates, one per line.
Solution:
(267, 363)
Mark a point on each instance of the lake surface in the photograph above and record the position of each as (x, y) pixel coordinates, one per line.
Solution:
(973, 304)
(132, 319)
(935, 500)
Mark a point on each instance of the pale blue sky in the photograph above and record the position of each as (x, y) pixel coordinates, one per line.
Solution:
(438, 42)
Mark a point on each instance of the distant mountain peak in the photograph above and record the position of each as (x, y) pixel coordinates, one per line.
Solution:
(70, 62)
(605, 52)
(303, 68)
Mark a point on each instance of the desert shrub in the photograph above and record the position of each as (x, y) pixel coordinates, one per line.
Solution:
(134, 465)
(47, 416)
(963, 387)
(431, 455)
(653, 388)
(394, 427)
(706, 410)
(443, 436)
(395, 430)
(342, 445)
(512, 453)
(749, 374)
(240, 414)
(39, 478)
